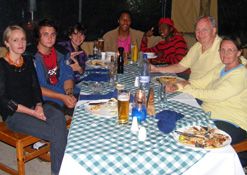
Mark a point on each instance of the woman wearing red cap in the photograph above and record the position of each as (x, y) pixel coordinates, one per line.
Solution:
(171, 49)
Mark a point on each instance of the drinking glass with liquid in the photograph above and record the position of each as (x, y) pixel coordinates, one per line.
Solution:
(123, 106)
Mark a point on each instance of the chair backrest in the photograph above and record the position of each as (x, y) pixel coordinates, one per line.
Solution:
(87, 46)
(3, 51)
(24, 151)
(190, 39)
(240, 147)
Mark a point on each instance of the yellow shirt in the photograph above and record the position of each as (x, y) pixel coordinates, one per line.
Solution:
(201, 63)
(225, 97)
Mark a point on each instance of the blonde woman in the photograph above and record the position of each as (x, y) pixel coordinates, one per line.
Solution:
(21, 99)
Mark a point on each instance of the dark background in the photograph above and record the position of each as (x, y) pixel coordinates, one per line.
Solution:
(99, 16)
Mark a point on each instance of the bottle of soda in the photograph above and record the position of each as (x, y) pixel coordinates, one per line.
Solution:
(139, 109)
(120, 61)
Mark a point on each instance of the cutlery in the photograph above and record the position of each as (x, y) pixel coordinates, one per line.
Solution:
(189, 134)
(97, 103)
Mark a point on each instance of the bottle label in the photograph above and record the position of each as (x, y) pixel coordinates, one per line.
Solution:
(144, 79)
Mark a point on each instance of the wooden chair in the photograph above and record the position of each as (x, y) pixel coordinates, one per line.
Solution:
(24, 151)
(240, 147)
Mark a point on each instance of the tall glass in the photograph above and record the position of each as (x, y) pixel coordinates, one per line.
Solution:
(162, 94)
(123, 106)
(111, 58)
(101, 44)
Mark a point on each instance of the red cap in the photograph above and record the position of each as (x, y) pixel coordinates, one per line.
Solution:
(167, 21)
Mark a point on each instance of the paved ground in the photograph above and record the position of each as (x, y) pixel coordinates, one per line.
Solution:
(33, 167)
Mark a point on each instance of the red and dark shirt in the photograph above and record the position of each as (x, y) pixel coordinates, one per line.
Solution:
(50, 62)
(169, 51)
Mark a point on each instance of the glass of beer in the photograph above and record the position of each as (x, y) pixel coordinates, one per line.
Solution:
(101, 44)
(123, 106)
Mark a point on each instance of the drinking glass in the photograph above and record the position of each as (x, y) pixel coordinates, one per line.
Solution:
(101, 44)
(162, 94)
(96, 87)
(112, 73)
(123, 106)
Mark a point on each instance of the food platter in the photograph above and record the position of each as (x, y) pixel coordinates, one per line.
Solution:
(96, 64)
(102, 108)
(166, 79)
(200, 137)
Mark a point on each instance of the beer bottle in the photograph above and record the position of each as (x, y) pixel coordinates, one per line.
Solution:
(120, 61)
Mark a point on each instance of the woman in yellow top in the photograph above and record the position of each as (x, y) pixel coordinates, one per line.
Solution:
(223, 90)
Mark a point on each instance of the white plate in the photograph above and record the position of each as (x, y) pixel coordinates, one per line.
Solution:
(96, 64)
(155, 79)
(149, 54)
(217, 131)
(106, 110)
(152, 57)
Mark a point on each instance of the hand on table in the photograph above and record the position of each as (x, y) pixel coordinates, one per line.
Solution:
(153, 68)
(69, 101)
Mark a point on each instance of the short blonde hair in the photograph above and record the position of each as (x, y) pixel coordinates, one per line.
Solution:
(9, 29)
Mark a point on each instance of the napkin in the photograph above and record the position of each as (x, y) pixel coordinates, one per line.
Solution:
(167, 120)
(102, 96)
(97, 70)
(187, 99)
(99, 96)
(96, 77)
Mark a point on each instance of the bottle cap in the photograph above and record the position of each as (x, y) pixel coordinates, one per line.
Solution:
(120, 49)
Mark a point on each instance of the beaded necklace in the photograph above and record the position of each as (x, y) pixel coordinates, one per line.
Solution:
(11, 62)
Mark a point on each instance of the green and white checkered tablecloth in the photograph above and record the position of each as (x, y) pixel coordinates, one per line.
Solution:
(103, 147)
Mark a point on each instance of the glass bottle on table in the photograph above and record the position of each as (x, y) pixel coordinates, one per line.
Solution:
(139, 109)
(134, 52)
(120, 61)
(145, 74)
(95, 50)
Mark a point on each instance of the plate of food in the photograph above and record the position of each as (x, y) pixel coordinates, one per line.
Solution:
(166, 79)
(103, 108)
(96, 64)
(200, 137)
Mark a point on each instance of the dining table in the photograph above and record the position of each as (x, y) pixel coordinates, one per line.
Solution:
(97, 144)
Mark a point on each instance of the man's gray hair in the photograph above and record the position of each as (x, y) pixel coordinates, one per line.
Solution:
(209, 18)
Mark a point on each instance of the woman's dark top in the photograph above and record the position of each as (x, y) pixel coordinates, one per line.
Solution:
(18, 86)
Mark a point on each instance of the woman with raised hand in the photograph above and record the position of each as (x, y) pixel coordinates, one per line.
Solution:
(21, 104)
